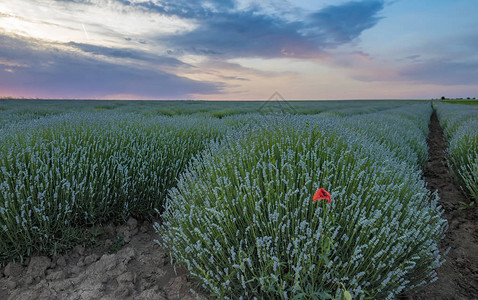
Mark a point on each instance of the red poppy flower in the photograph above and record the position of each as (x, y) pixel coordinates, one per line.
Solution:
(322, 194)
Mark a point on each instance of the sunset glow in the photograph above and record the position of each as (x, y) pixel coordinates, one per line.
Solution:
(238, 49)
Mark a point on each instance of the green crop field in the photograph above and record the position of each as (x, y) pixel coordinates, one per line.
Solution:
(460, 125)
(28, 109)
(232, 183)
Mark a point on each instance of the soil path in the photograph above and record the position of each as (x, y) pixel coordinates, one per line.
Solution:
(458, 277)
(137, 269)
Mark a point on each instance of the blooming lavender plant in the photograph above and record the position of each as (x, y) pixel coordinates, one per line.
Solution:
(460, 126)
(242, 219)
(61, 172)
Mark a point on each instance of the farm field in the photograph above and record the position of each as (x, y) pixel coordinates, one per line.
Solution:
(230, 189)
(28, 109)
(460, 126)
(456, 276)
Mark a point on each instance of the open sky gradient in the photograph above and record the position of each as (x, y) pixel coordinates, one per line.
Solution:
(238, 49)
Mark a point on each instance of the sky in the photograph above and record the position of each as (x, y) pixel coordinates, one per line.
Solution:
(238, 49)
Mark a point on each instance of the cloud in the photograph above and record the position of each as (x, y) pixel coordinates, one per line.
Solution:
(54, 71)
(439, 72)
(221, 28)
(184, 8)
(234, 78)
(413, 57)
(153, 48)
(244, 34)
(339, 24)
(128, 53)
(442, 72)
(225, 31)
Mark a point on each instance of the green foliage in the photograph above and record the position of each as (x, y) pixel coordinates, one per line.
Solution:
(243, 222)
(460, 126)
(117, 244)
(462, 101)
(28, 109)
(465, 205)
(406, 131)
(62, 172)
(239, 185)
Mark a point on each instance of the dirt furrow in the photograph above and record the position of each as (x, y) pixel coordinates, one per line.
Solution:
(458, 277)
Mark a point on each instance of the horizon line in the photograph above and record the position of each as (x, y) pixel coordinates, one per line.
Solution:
(230, 100)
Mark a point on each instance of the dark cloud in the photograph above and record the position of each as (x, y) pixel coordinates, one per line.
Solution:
(339, 24)
(244, 34)
(56, 73)
(79, 70)
(225, 31)
(128, 53)
(413, 57)
(234, 78)
(442, 72)
(229, 68)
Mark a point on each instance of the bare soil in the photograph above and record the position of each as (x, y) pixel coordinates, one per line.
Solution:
(458, 276)
(131, 267)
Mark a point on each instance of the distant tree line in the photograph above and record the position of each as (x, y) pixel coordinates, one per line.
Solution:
(17, 98)
(467, 98)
